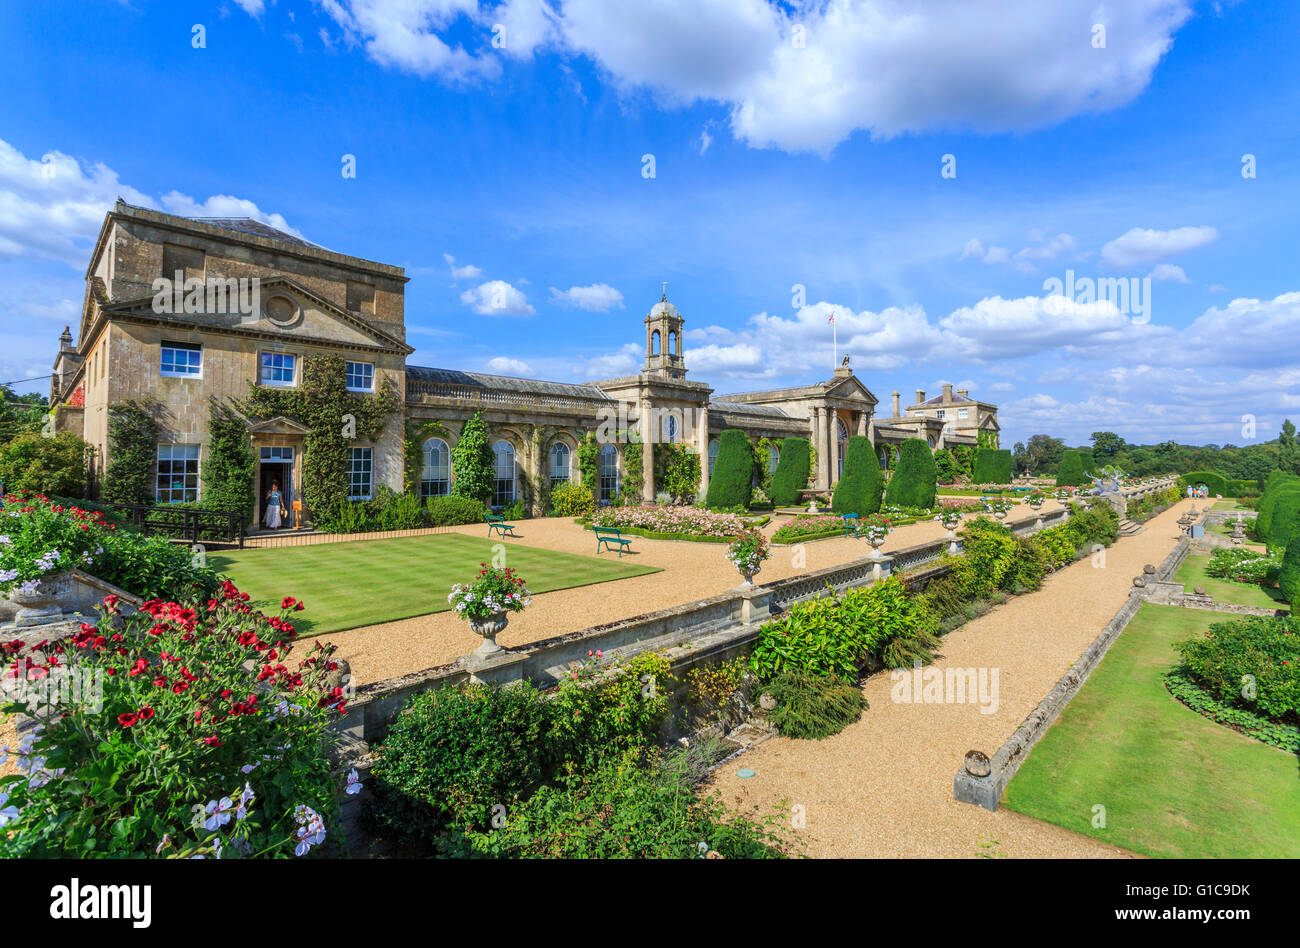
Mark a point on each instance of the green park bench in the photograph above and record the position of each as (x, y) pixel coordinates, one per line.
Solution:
(852, 525)
(991, 495)
(611, 535)
(499, 524)
(1022, 490)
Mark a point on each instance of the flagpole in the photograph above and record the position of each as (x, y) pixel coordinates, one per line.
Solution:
(835, 337)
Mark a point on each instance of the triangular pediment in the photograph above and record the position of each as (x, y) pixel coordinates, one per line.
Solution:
(851, 388)
(280, 307)
(279, 425)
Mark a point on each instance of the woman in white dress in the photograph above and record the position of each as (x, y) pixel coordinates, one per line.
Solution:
(274, 500)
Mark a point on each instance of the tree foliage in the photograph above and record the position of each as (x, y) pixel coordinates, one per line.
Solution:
(472, 461)
(57, 465)
(132, 453)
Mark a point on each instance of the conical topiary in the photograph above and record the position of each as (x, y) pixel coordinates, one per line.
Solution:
(791, 472)
(914, 480)
(732, 482)
(859, 487)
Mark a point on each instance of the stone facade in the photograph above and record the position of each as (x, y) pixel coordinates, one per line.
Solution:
(298, 300)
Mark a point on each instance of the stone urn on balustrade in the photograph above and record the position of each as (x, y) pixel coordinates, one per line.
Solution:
(489, 628)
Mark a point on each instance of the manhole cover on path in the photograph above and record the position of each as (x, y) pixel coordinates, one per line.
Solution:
(744, 773)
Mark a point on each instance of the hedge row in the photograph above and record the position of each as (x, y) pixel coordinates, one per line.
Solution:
(992, 466)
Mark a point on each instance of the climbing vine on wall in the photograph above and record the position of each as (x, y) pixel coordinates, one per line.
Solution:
(132, 453)
(338, 420)
(228, 475)
(677, 471)
(589, 463)
(633, 469)
(472, 471)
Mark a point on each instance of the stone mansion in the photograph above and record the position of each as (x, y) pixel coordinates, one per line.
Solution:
(212, 336)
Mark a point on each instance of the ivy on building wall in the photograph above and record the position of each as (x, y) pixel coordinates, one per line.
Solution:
(230, 471)
(633, 472)
(338, 420)
(987, 439)
(589, 463)
(762, 448)
(677, 472)
(132, 452)
(472, 468)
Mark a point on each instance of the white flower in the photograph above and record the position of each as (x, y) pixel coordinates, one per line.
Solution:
(218, 814)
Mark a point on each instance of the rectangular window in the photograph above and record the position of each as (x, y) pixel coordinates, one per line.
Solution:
(181, 360)
(361, 377)
(360, 469)
(361, 297)
(177, 473)
(278, 369)
(276, 455)
(963, 412)
(188, 260)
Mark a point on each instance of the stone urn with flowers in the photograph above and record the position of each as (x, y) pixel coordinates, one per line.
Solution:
(747, 551)
(487, 602)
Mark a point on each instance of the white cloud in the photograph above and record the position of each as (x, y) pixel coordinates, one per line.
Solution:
(467, 272)
(705, 140)
(1142, 246)
(503, 365)
(1026, 259)
(497, 298)
(596, 298)
(52, 208)
(223, 205)
(803, 77)
(1169, 271)
(626, 361)
(254, 8)
(996, 328)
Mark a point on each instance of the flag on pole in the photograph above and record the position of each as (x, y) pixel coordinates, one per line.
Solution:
(835, 337)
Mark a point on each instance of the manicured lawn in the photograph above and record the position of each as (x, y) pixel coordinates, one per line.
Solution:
(1174, 783)
(1231, 504)
(1192, 574)
(346, 585)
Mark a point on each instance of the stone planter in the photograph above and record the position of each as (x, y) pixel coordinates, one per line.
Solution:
(43, 604)
(489, 628)
(749, 578)
(876, 544)
(1000, 514)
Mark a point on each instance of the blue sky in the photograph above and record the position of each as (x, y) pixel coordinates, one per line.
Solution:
(794, 144)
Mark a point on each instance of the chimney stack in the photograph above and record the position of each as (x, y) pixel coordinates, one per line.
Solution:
(963, 392)
(947, 391)
(920, 395)
(897, 413)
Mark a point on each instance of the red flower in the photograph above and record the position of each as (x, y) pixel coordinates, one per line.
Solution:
(212, 741)
(145, 713)
(126, 720)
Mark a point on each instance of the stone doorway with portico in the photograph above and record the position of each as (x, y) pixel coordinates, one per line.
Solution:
(278, 453)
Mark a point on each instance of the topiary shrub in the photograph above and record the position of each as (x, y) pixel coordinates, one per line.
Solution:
(1071, 472)
(791, 472)
(1214, 482)
(915, 478)
(859, 488)
(732, 481)
(992, 466)
(1286, 509)
(230, 471)
(1288, 578)
(1276, 486)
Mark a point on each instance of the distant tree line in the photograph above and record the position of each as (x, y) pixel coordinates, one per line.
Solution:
(1041, 455)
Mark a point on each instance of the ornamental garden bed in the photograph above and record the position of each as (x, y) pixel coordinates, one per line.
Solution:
(674, 523)
(1195, 572)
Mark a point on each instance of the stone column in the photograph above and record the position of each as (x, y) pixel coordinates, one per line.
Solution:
(538, 476)
(833, 449)
(862, 423)
(702, 441)
(822, 479)
(647, 453)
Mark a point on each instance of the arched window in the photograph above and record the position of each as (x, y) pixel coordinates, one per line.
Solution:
(654, 343)
(773, 458)
(713, 455)
(608, 472)
(672, 343)
(504, 490)
(559, 464)
(670, 431)
(841, 442)
(435, 476)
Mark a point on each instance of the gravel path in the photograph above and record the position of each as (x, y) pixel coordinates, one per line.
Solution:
(691, 571)
(883, 786)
